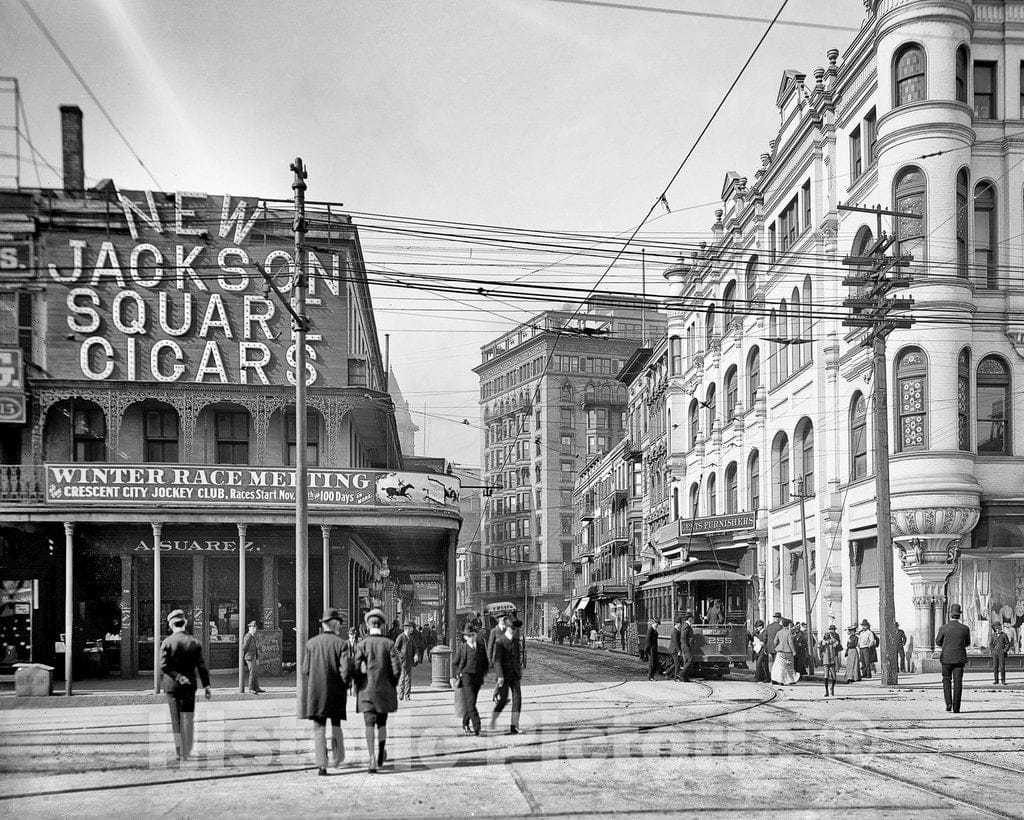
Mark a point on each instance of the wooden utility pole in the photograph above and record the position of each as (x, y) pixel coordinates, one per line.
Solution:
(802, 494)
(300, 326)
(871, 309)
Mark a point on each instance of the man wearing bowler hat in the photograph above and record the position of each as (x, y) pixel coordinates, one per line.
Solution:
(469, 667)
(327, 665)
(250, 654)
(954, 638)
(408, 654)
(181, 656)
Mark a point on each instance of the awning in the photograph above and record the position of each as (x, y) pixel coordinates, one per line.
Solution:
(695, 575)
(501, 607)
(582, 603)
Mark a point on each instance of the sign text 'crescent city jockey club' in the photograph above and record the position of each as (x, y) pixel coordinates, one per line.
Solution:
(213, 486)
(173, 293)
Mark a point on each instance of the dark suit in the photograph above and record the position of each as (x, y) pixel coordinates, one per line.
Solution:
(999, 644)
(327, 664)
(686, 650)
(652, 652)
(954, 638)
(181, 657)
(508, 667)
(770, 632)
(469, 667)
(250, 655)
(674, 648)
(376, 686)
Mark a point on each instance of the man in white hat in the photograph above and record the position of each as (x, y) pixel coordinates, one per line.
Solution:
(181, 656)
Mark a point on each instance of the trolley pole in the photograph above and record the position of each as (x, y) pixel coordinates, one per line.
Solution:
(803, 496)
(871, 309)
(300, 326)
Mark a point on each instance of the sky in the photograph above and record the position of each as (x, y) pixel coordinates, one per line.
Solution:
(542, 115)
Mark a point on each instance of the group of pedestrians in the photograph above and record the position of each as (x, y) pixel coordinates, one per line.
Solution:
(680, 648)
(504, 651)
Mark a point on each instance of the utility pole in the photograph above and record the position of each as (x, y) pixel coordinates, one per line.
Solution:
(871, 309)
(300, 326)
(801, 493)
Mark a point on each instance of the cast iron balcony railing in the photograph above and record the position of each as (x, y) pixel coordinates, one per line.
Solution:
(22, 482)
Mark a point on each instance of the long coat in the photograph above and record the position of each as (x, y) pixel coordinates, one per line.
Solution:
(406, 649)
(181, 654)
(954, 638)
(375, 688)
(507, 659)
(674, 641)
(327, 665)
(461, 659)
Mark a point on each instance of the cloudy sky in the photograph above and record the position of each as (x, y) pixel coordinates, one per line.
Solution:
(544, 115)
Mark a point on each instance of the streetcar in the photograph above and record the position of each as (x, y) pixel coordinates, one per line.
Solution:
(694, 588)
(494, 611)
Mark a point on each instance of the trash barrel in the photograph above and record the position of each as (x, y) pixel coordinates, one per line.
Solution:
(440, 667)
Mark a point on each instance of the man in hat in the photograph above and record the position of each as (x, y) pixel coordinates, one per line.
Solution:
(674, 645)
(999, 644)
(469, 667)
(653, 666)
(250, 654)
(376, 672)
(407, 649)
(327, 665)
(901, 648)
(508, 666)
(495, 633)
(686, 646)
(866, 649)
(181, 656)
(954, 638)
(769, 638)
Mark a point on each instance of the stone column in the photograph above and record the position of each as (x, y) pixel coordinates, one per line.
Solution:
(157, 531)
(269, 593)
(128, 629)
(325, 536)
(241, 606)
(762, 580)
(69, 602)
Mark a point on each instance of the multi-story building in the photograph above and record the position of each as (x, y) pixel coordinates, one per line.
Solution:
(470, 552)
(550, 401)
(769, 395)
(153, 466)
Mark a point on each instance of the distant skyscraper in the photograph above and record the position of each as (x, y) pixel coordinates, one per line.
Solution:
(403, 417)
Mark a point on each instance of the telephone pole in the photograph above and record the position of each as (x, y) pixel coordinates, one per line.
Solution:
(871, 309)
(802, 494)
(300, 325)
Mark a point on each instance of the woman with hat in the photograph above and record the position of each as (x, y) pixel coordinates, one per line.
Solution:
(181, 656)
(327, 666)
(852, 655)
(377, 667)
(782, 670)
(405, 647)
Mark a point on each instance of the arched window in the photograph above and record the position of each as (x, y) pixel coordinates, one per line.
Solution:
(750, 279)
(590, 393)
(807, 330)
(694, 495)
(858, 437)
(694, 422)
(731, 394)
(794, 331)
(675, 355)
(783, 350)
(912, 390)
(780, 470)
(711, 403)
(712, 495)
(910, 82)
(910, 198)
(773, 348)
(605, 394)
(709, 327)
(753, 376)
(963, 218)
(675, 503)
(985, 271)
(994, 406)
(731, 489)
(804, 451)
(963, 60)
(754, 481)
(728, 306)
(963, 400)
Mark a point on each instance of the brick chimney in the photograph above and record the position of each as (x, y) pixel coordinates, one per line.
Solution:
(71, 141)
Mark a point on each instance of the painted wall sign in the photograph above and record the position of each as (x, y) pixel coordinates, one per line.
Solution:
(268, 651)
(177, 296)
(12, 387)
(244, 486)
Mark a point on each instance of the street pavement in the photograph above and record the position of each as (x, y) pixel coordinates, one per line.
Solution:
(598, 738)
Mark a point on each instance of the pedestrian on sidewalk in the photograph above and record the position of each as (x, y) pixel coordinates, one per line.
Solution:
(831, 647)
(508, 668)
(782, 670)
(675, 645)
(770, 633)
(759, 642)
(497, 631)
(653, 667)
(999, 645)
(686, 646)
(327, 665)
(407, 649)
(469, 668)
(866, 646)
(852, 655)
(901, 648)
(250, 654)
(954, 638)
(181, 656)
(799, 650)
(377, 667)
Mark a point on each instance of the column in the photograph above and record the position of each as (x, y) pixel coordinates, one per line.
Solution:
(761, 549)
(241, 607)
(128, 639)
(69, 601)
(922, 622)
(449, 590)
(325, 536)
(269, 593)
(157, 531)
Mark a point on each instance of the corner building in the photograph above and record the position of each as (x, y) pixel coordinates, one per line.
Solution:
(160, 423)
(769, 394)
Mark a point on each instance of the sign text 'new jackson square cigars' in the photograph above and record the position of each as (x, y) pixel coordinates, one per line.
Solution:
(170, 484)
(169, 291)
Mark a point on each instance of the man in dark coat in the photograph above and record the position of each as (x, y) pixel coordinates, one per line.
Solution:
(469, 667)
(769, 636)
(377, 667)
(653, 667)
(954, 638)
(327, 665)
(901, 648)
(181, 656)
(999, 645)
(250, 654)
(495, 633)
(508, 659)
(408, 653)
(686, 646)
(674, 645)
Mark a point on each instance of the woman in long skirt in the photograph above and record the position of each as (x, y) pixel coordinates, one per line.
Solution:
(852, 655)
(782, 670)
(759, 644)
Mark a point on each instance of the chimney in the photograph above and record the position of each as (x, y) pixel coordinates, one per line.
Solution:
(71, 140)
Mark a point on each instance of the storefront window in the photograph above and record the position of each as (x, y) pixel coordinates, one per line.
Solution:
(16, 609)
(98, 615)
(175, 593)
